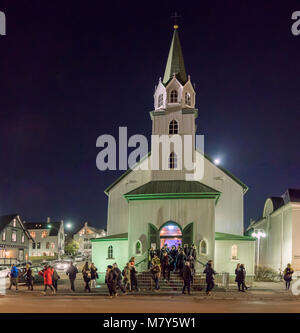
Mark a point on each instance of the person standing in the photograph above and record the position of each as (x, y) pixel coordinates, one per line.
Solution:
(71, 272)
(86, 273)
(126, 274)
(133, 279)
(118, 278)
(55, 278)
(47, 275)
(209, 271)
(152, 252)
(155, 272)
(287, 275)
(94, 275)
(181, 258)
(240, 278)
(29, 277)
(236, 273)
(186, 249)
(187, 278)
(193, 251)
(110, 280)
(14, 272)
(165, 267)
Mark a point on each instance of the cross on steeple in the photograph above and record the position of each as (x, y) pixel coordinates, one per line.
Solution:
(175, 17)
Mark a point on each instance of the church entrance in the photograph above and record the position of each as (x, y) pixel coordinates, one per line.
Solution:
(171, 235)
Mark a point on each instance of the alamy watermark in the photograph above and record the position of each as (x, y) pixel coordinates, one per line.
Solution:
(168, 152)
(2, 24)
(296, 25)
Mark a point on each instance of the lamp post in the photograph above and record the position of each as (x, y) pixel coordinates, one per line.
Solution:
(258, 234)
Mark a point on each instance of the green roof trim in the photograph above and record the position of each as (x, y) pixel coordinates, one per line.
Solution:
(115, 237)
(224, 236)
(172, 189)
(175, 63)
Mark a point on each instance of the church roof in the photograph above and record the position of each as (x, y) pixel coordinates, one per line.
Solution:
(111, 237)
(172, 189)
(175, 64)
(277, 202)
(291, 195)
(224, 236)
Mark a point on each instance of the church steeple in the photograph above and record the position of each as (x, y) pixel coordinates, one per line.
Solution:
(175, 63)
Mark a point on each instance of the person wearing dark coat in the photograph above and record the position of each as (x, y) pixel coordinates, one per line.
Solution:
(209, 271)
(55, 278)
(236, 272)
(165, 266)
(191, 260)
(193, 252)
(118, 278)
(155, 272)
(180, 260)
(71, 272)
(151, 255)
(133, 279)
(173, 253)
(86, 273)
(111, 280)
(29, 277)
(187, 278)
(287, 275)
(240, 277)
(186, 249)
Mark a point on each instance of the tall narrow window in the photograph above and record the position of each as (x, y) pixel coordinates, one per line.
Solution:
(203, 247)
(173, 96)
(4, 235)
(172, 161)
(173, 127)
(188, 99)
(14, 236)
(160, 100)
(23, 238)
(138, 248)
(110, 252)
(234, 250)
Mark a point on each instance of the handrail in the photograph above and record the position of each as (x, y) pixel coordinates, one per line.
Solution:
(140, 262)
(200, 262)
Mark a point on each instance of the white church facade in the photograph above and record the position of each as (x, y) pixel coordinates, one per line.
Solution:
(150, 207)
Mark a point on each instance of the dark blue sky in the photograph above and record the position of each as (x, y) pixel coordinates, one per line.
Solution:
(71, 71)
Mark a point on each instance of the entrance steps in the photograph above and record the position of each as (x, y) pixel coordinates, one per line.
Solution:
(145, 282)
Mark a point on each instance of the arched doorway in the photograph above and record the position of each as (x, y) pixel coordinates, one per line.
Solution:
(171, 234)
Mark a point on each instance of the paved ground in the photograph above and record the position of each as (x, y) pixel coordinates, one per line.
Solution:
(263, 297)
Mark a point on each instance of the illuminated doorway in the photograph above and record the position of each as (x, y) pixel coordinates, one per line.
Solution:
(171, 235)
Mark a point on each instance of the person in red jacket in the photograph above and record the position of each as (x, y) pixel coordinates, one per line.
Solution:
(47, 273)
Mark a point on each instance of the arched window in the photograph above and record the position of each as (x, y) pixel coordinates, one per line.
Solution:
(160, 100)
(203, 247)
(172, 161)
(188, 98)
(173, 127)
(138, 248)
(110, 252)
(173, 96)
(234, 251)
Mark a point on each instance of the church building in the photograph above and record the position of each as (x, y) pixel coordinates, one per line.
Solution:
(149, 207)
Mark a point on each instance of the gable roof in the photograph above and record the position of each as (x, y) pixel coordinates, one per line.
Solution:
(224, 236)
(123, 236)
(291, 195)
(6, 219)
(277, 202)
(55, 226)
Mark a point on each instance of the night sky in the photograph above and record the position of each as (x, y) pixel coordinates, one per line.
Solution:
(71, 71)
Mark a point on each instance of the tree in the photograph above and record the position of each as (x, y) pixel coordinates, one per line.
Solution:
(72, 247)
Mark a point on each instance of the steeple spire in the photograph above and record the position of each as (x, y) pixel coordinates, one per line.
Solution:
(175, 63)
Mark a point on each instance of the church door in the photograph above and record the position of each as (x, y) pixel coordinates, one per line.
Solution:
(188, 234)
(153, 236)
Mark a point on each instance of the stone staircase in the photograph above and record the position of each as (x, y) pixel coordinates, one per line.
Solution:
(145, 282)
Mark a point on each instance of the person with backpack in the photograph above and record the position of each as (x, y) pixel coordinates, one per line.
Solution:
(118, 278)
(14, 273)
(126, 277)
(29, 277)
(86, 273)
(110, 280)
(71, 273)
(55, 278)
(94, 275)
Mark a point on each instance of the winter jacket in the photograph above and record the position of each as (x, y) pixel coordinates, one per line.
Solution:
(71, 272)
(47, 275)
(14, 272)
(111, 277)
(28, 275)
(118, 274)
(165, 261)
(126, 274)
(155, 271)
(93, 273)
(240, 275)
(288, 272)
(187, 273)
(86, 274)
(55, 276)
(209, 273)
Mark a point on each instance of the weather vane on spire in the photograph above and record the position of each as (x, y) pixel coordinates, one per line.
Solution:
(175, 17)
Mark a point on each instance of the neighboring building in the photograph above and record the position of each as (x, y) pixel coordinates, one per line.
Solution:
(48, 238)
(14, 240)
(280, 223)
(84, 236)
(150, 206)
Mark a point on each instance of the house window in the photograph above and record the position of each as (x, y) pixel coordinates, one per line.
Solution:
(47, 245)
(23, 238)
(203, 247)
(52, 245)
(173, 96)
(234, 252)
(33, 246)
(173, 127)
(110, 252)
(44, 234)
(4, 236)
(138, 248)
(32, 234)
(38, 245)
(14, 236)
(14, 223)
(172, 161)
(160, 100)
(188, 99)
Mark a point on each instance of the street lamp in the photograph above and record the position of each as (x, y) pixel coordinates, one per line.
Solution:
(258, 234)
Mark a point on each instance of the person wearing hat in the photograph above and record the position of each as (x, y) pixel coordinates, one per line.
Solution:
(110, 280)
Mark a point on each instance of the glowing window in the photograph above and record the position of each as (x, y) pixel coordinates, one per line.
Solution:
(110, 252)
(203, 247)
(32, 234)
(23, 238)
(14, 236)
(138, 248)
(44, 234)
(234, 251)
(3, 236)
(170, 230)
(173, 127)
(173, 96)
(172, 161)
(52, 245)
(188, 98)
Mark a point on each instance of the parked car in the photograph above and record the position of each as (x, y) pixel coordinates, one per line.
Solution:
(80, 258)
(4, 271)
(62, 266)
(35, 273)
(23, 264)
